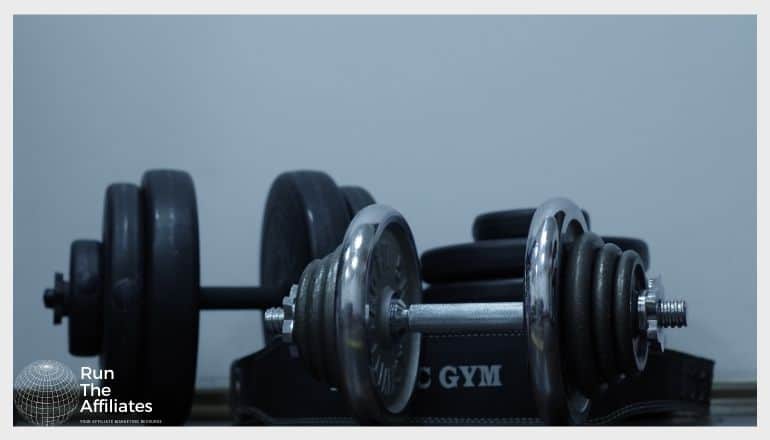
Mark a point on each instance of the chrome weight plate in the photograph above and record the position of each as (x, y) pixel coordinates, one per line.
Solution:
(555, 225)
(378, 264)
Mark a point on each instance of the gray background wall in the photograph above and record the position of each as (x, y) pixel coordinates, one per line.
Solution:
(647, 122)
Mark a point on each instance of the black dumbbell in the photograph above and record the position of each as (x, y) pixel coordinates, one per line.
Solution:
(356, 315)
(134, 298)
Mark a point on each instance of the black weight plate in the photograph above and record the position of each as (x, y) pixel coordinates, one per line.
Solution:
(502, 224)
(85, 303)
(512, 223)
(305, 218)
(603, 299)
(315, 313)
(356, 199)
(123, 265)
(629, 280)
(329, 329)
(172, 293)
(302, 320)
(476, 261)
(577, 309)
(632, 244)
(475, 291)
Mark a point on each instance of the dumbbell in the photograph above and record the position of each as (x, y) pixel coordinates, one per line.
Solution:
(134, 298)
(590, 313)
(491, 268)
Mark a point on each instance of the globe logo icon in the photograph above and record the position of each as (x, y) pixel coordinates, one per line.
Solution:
(46, 393)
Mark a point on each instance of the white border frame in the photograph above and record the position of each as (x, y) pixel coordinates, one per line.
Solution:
(447, 7)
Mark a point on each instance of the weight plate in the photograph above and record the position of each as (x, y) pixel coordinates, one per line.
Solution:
(305, 218)
(481, 260)
(302, 330)
(85, 301)
(475, 291)
(632, 244)
(314, 321)
(356, 199)
(577, 311)
(315, 314)
(172, 293)
(490, 259)
(630, 346)
(329, 322)
(512, 223)
(603, 295)
(557, 223)
(123, 263)
(503, 224)
(378, 267)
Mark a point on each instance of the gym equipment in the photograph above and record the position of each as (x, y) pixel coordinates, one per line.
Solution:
(134, 299)
(491, 227)
(476, 261)
(356, 315)
(496, 259)
(510, 223)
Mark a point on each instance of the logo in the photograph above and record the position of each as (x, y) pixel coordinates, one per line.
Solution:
(462, 376)
(46, 393)
(98, 396)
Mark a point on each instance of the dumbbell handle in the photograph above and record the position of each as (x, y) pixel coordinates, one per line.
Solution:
(501, 316)
(218, 298)
(211, 298)
(458, 318)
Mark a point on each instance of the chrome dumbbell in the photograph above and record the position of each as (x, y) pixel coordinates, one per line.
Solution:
(356, 315)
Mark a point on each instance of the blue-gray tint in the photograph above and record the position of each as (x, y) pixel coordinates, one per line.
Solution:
(647, 122)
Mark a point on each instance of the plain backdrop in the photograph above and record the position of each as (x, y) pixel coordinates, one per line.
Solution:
(649, 123)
